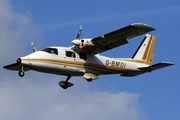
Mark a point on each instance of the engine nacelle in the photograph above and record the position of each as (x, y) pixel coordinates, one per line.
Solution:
(89, 77)
(84, 44)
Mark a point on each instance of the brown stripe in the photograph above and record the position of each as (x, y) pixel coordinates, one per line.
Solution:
(95, 67)
(147, 49)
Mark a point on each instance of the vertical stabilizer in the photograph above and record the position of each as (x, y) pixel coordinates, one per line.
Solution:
(145, 50)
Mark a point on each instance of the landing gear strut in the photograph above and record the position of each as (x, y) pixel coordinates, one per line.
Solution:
(21, 72)
(65, 84)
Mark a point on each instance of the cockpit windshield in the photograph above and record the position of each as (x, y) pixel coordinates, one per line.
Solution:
(51, 50)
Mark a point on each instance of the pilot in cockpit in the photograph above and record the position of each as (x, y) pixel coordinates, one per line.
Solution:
(52, 51)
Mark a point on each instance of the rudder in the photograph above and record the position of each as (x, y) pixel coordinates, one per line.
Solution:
(145, 50)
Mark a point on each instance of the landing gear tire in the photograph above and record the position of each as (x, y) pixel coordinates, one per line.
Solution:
(21, 73)
(89, 80)
(65, 84)
(65, 87)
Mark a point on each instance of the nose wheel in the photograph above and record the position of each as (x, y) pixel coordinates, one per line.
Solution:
(65, 84)
(21, 72)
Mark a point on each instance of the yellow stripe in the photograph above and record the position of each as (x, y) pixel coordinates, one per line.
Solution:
(71, 64)
(151, 54)
(132, 60)
(147, 49)
(95, 67)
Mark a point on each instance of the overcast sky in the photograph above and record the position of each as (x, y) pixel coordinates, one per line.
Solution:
(37, 96)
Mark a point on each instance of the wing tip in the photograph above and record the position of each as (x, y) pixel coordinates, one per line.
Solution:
(142, 25)
(168, 63)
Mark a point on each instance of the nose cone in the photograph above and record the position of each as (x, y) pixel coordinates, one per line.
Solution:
(76, 42)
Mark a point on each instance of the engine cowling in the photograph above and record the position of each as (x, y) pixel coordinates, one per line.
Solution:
(76, 42)
(84, 44)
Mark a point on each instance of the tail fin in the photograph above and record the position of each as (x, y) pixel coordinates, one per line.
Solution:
(145, 50)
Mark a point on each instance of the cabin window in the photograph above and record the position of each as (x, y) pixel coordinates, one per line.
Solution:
(70, 54)
(82, 55)
(50, 50)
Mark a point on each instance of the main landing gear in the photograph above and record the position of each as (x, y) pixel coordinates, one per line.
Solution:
(65, 84)
(21, 72)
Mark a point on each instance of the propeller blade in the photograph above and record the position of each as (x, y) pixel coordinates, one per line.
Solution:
(79, 33)
(33, 47)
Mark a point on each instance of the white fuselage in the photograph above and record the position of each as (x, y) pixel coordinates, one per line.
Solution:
(75, 63)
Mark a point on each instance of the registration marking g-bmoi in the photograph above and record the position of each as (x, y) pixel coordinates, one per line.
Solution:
(83, 58)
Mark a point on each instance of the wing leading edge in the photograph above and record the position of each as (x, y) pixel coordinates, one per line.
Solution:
(119, 37)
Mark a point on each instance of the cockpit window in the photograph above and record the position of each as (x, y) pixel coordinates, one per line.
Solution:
(51, 50)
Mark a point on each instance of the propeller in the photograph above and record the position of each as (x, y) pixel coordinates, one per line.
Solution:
(79, 33)
(33, 47)
(78, 41)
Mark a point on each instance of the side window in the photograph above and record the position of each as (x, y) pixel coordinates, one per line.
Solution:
(50, 50)
(70, 54)
(82, 56)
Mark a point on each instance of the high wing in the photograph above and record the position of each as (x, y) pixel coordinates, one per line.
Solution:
(119, 37)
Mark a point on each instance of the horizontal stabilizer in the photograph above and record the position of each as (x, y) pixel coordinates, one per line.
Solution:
(132, 74)
(15, 66)
(156, 66)
(147, 69)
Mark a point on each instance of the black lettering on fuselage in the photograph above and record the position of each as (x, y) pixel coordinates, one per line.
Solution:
(112, 64)
(115, 64)
(107, 62)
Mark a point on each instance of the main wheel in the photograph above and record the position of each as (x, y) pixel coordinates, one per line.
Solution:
(63, 84)
(65, 87)
(21, 73)
(89, 80)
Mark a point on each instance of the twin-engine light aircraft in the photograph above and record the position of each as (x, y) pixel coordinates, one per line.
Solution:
(83, 58)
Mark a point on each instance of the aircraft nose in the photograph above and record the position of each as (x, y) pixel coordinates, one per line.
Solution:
(24, 61)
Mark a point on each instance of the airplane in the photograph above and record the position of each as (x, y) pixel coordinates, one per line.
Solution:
(83, 58)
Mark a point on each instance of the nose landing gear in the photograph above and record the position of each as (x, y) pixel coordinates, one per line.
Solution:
(21, 72)
(65, 84)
